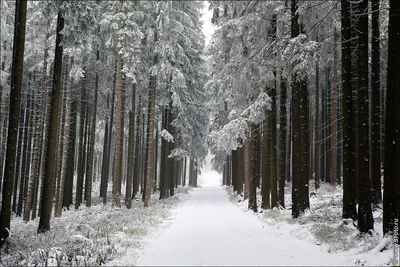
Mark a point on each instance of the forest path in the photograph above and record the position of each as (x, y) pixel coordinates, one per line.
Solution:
(210, 230)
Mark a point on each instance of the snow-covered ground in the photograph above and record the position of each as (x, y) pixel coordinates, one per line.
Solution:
(94, 236)
(323, 226)
(209, 225)
(211, 230)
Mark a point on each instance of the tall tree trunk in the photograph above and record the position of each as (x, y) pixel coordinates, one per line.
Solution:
(62, 141)
(26, 154)
(240, 171)
(334, 111)
(354, 84)
(171, 161)
(234, 162)
(29, 154)
(65, 152)
(110, 139)
(191, 171)
(282, 142)
(104, 160)
(375, 153)
(246, 165)
(89, 177)
(15, 103)
(70, 168)
(22, 162)
(131, 151)
(143, 157)
(272, 148)
(164, 158)
(119, 140)
(4, 117)
(365, 220)
(60, 136)
(184, 173)
(391, 194)
(305, 136)
(155, 179)
(249, 169)
(229, 178)
(81, 149)
(138, 149)
(317, 129)
(299, 132)
(265, 170)
(47, 192)
(349, 187)
(150, 132)
(19, 155)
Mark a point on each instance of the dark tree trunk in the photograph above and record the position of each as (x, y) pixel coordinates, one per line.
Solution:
(184, 173)
(328, 126)
(305, 126)
(66, 136)
(265, 170)
(150, 133)
(69, 178)
(365, 219)
(250, 166)
(318, 162)
(349, 192)
(19, 154)
(110, 139)
(103, 181)
(354, 84)
(272, 148)
(22, 161)
(240, 171)
(299, 132)
(138, 149)
(51, 154)
(375, 153)
(334, 112)
(15, 105)
(391, 194)
(282, 143)
(81, 149)
(164, 159)
(131, 151)
(90, 163)
(234, 162)
(119, 140)
(171, 161)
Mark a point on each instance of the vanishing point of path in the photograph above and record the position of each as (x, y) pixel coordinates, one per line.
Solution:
(210, 230)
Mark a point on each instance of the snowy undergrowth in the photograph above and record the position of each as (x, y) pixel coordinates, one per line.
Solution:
(323, 225)
(89, 236)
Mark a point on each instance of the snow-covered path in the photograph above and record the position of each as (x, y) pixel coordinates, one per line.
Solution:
(210, 230)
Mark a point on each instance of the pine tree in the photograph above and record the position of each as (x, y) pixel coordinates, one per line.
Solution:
(391, 195)
(365, 220)
(47, 193)
(131, 151)
(349, 188)
(375, 155)
(15, 102)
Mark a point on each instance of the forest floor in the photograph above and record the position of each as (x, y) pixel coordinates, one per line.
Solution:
(208, 229)
(205, 226)
(322, 226)
(88, 236)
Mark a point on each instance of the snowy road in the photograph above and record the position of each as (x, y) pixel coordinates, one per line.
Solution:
(209, 230)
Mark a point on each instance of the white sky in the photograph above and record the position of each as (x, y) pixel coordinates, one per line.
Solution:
(208, 28)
